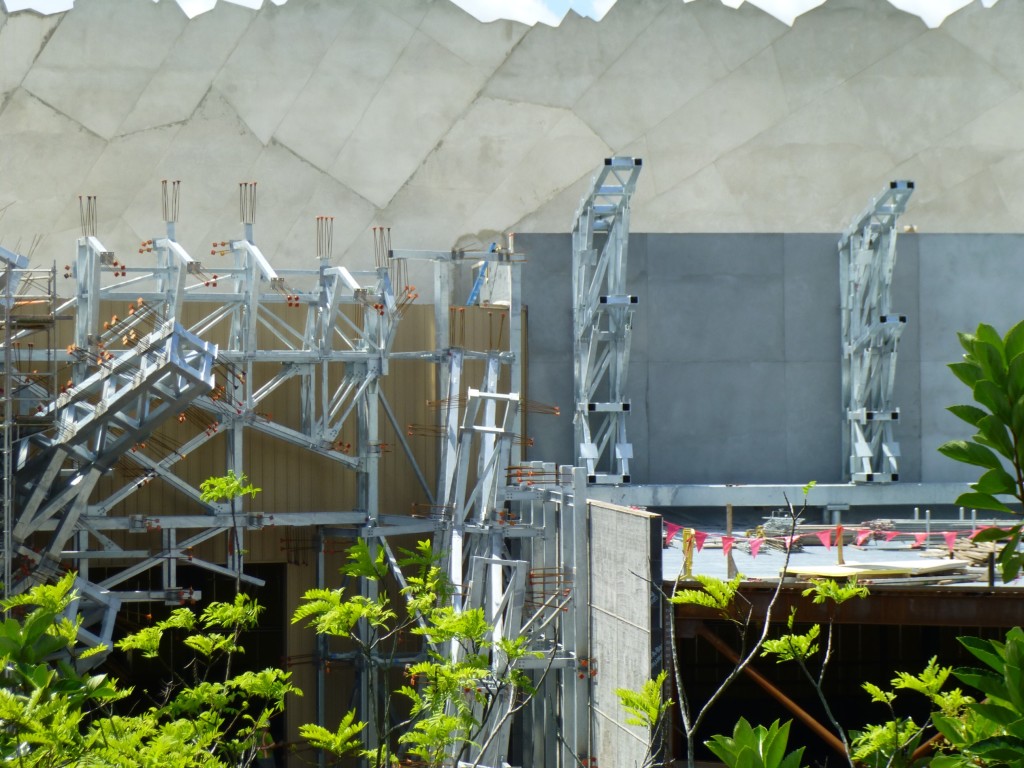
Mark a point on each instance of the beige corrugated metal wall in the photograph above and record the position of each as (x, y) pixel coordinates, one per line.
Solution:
(293, 479)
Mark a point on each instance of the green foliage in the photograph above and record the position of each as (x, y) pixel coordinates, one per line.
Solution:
(345, 740)
(330, 612)
(756, 747)
(892, 743)
(993, 369)
(716, 594)
(829, 590)
(55, 716)
(989, 732)
(646, 707)
(362, 564)
(889, 745)
(226, 488)
(792, 646)
(465, 676)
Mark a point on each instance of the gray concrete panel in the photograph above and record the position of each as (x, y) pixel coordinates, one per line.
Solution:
(940, 389)
(773, 413)
(709, 254)
(627, 639)
(907, 431)
(547, 292)
(813, 431)
(967, 280)
(638, 277)
(550, 381)
(811, 302)
(719, 317)
(717, 422)
(638, 425)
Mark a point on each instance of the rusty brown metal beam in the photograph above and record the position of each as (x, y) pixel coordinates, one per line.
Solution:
(802, 715)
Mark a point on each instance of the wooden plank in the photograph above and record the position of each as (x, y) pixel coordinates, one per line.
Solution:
(882, 568)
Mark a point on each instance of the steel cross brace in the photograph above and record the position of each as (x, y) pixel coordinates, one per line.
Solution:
(100, 418)
(602, 322)
(870, 337)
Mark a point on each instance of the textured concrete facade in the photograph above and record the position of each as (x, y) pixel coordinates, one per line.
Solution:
(412, 114)
(736, 360)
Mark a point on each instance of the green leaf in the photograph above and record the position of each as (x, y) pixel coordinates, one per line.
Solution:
(345, 740)
(1015, 377)
(227, 487)
(793, 646)
(362, 564)
(1009, 749)
(969, 373)
(877, 694)
(242, 613)
(993, 366)
(758, 747)
(1013, 341)
(969, 413)
(988, 651)
(146, 640)
(993, 430)
(981, 501)
(993, 396)
(825, 590)
(984, 680)
(646, 707)
(716, 594)
(952, 728)
(967, 341)
(996, 482)
(1004, 716)
(970, 453)
(991, 534)
(987, 335)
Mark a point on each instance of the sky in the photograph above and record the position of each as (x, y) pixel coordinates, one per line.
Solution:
(551, 12)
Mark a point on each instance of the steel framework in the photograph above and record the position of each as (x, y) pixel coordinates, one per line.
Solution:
(870, 337)
(602, 322)
(513, 540)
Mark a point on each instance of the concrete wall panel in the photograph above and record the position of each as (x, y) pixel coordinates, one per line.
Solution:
(626, 625)
(736, 378)
(452, 130)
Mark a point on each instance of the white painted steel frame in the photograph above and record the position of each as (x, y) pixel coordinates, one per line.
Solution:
(602, 322)
(870, 338)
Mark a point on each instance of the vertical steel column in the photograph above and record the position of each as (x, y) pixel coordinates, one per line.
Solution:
(870, 336)
(87, 317)
(602, 322)
(515, 334)
(8, 425)
(575, 683)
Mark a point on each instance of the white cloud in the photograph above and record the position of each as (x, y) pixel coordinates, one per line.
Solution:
(524, 11)
(786, 11)
(551, 12)
(932, 12)
(41, 6)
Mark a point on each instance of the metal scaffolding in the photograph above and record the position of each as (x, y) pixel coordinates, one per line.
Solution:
(602, 322)
(512, 538)
(870, 336)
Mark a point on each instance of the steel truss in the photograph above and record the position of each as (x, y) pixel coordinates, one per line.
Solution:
(870, 336)
(512, 538)
(602, 322)
(131, 374)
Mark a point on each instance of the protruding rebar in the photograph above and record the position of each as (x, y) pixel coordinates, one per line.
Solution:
(324, 237)
(247, 202)
(169, 192)
(88, 218)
